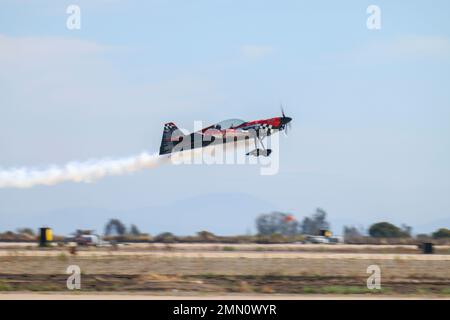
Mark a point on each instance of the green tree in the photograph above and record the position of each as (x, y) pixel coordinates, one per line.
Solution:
(276, 222)
(166, 237)
(28, 231)
(318, 221)
(353, 232)
(206, 235)
(134, 230)
(441, 233)
(387, 230)
(115, 226)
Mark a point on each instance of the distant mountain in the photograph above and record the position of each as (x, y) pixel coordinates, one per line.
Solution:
(223, 214)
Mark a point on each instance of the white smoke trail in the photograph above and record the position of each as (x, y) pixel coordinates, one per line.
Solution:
(78, 171)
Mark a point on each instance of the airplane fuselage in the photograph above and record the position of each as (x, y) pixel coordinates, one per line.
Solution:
(233, 130)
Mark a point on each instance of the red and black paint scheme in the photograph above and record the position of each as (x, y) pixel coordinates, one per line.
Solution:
(232, 130)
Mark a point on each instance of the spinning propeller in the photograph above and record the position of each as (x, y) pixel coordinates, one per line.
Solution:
(285, 121)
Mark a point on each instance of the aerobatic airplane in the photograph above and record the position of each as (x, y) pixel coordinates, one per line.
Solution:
(232, 130)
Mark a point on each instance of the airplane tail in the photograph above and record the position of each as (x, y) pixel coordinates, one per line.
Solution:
(170, 138)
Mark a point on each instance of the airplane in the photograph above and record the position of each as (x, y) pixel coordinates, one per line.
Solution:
(231, 130)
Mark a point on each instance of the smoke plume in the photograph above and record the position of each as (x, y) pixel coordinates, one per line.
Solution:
(78, 171)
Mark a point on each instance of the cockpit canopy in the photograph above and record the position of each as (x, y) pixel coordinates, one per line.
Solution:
(228, 124)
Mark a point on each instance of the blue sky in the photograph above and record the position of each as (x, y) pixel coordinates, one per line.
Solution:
(371, 109)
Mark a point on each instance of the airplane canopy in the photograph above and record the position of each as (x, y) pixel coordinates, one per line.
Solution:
(230, 123)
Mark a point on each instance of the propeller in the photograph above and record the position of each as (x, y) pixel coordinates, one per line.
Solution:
(286, 121)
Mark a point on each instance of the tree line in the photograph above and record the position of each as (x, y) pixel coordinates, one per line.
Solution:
(285, 224)
(274, 223)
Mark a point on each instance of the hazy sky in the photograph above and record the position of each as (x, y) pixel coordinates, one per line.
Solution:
(371, 108)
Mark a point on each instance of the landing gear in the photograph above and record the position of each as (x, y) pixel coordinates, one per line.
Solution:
(260, 152)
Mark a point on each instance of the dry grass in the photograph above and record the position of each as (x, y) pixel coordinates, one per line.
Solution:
(264, 271)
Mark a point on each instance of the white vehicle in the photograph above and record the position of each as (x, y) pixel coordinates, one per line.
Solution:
(317, 239)
(336, 239)
(86, 240)
(89, 239)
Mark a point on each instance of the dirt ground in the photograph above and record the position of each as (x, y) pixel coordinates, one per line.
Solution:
(212, 270)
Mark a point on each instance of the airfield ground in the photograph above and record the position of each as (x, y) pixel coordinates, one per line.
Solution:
(223, 270)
